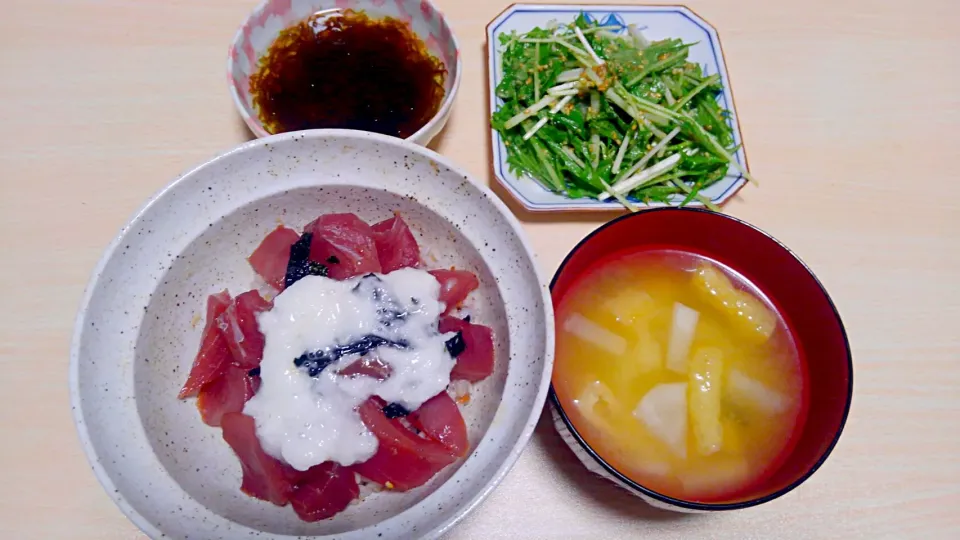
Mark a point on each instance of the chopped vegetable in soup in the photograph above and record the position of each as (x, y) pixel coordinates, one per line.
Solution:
(679, 373)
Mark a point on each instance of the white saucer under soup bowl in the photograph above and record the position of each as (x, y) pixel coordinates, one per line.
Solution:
(137, 331)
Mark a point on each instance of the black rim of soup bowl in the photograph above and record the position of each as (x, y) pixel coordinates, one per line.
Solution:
(691, 505)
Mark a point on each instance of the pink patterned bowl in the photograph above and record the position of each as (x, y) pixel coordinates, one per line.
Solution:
(272, 16)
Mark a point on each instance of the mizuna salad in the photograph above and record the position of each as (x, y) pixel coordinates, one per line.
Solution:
(588, 113)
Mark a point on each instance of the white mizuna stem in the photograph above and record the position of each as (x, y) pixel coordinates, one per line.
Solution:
(669, 95)
(582, 55)
(536, 127)
(561, 104)
(653, 129)
(607, 34)
(619, 102)
(657, 119)
(649, 155)
(561, 93)
(620, 153)
(638, 38)
(565, 86)
(648, 106)
(723, 151)
(536, 72)
(586, 45)
(595, 149)
(573, 157)
(529, 111)
(631, 183)
(598, 29)
(706, 202)
(623, 200)
(570, 75)
(592, 75)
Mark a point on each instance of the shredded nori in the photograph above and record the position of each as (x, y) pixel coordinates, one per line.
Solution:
(456, 345)
(299, 265)
(395, 410)
(333, 259)
(316, 361)
(389, 311)
(255, 372)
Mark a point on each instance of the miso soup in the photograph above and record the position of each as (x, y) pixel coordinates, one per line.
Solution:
(679, 373)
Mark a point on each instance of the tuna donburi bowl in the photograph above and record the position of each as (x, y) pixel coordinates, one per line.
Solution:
(233, 224)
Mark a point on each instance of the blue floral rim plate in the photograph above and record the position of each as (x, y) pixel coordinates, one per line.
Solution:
(656, 22)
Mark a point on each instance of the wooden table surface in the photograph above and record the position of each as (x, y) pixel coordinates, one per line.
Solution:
(850, 112)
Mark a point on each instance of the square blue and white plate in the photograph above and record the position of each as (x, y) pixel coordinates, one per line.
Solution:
(656, 22)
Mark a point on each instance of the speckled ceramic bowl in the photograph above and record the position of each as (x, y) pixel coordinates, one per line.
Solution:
(137, 331)
(254, 37)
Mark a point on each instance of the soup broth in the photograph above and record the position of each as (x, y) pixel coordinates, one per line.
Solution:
(679, 373)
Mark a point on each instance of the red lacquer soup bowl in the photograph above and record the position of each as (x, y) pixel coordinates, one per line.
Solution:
(789, 284)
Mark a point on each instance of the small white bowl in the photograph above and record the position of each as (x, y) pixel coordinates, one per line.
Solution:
(137, 330)
(656, 22)
(270, 17)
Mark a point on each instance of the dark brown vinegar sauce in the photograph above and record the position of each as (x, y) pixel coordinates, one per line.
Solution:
(348, 71)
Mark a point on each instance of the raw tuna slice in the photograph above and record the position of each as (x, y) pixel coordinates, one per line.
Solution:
(455, 285)
(226, 394)
(403, 460)
(264, 476)
(344, 244)
(324, 491)
(241, 331)
(369, 366)
(270, 258)
(475, 362)
(439, 418)
(213, 355)
(396, 246)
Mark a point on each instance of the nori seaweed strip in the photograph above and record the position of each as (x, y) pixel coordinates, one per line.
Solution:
(299, 265)
(316, 361)
(395, 410)
(456, 345)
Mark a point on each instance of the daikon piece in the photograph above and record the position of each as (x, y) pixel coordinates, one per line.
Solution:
(595, 334)
(663, 410)
(682, 330)
(748, 314)
(752, 394)
(706, 370)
